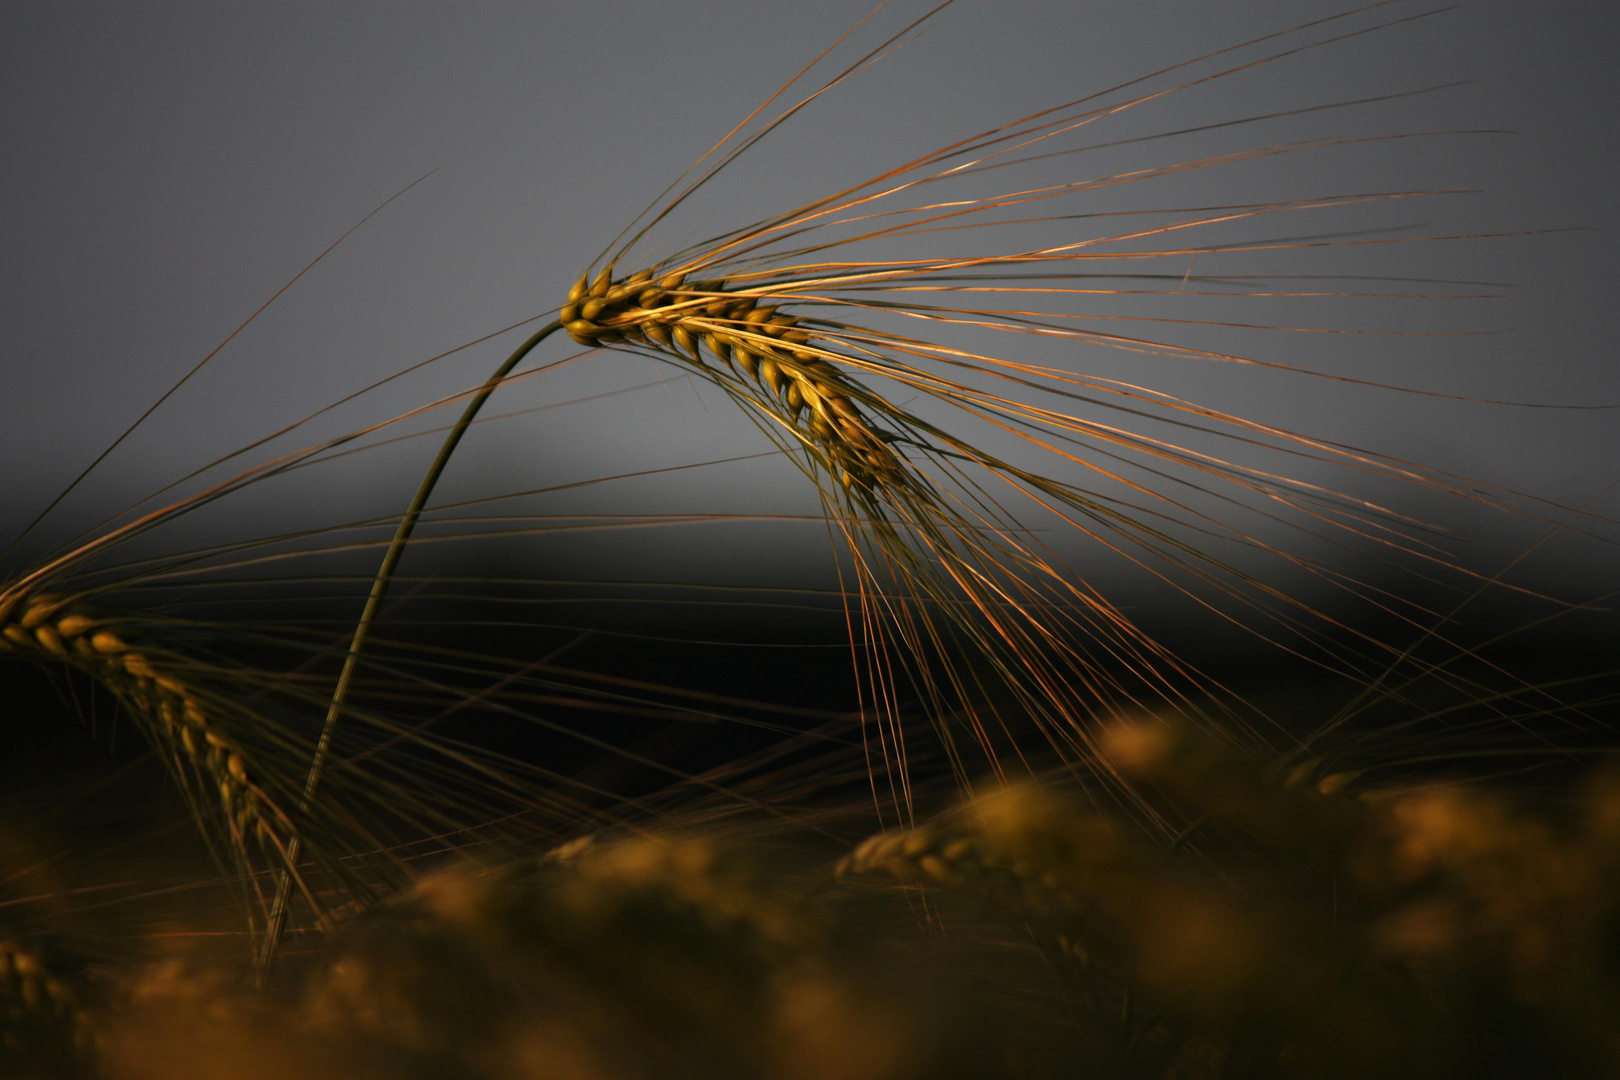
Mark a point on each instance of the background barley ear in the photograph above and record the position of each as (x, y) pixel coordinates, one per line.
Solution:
(213, 742)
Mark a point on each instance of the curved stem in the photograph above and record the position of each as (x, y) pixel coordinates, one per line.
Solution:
(362, 630)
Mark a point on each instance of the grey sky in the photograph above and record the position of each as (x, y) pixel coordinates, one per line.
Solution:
(167, 167)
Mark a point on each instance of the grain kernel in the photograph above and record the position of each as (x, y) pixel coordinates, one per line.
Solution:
(74, 625)
(105, 641)
(41, 609)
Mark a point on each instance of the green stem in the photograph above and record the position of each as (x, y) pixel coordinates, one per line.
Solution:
(379, 586)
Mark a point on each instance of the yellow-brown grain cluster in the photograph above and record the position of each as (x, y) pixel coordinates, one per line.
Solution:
(149, 683)
(750, 336)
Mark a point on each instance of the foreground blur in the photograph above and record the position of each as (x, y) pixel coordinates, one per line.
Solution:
(1283, 924)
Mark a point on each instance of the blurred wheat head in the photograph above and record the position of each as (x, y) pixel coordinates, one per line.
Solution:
(1424, 932)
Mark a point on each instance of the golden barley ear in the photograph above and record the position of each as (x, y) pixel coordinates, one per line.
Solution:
(928, 562)
(940, 567)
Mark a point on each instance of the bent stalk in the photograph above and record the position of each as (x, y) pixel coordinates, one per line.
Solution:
(379, 587)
